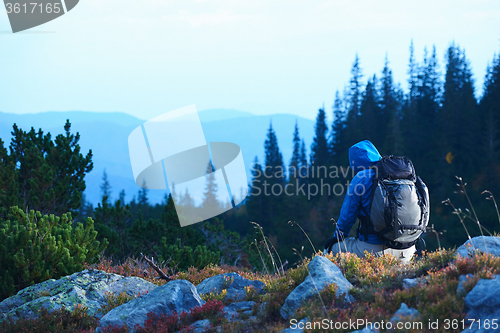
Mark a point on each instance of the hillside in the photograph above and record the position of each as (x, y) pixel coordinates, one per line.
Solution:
(441, 291)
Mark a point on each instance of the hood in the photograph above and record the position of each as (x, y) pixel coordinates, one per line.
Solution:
(363, 155)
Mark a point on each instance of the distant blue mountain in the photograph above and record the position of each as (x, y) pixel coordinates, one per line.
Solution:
(107, 135)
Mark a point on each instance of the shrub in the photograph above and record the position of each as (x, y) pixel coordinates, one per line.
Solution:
(59, 321)
(35, 248)
(182, 257)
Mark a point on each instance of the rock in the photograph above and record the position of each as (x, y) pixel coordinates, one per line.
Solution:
(232, 282)
(87, 288)
(483, 303)
(486, 244)
(410, 283)
(296, 326)
(233, 311)
(200, 326)
(262, 306)
(176, 296)
(404, 314)
(322, 272)
(461, 280)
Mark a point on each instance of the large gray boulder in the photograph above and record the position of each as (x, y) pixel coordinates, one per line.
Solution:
(87, 288)
(233, 283)
(322, 272)
(486, 244)
(176, 296)
(483, 303)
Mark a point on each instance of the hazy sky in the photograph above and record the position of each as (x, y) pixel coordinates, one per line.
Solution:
(146, 57)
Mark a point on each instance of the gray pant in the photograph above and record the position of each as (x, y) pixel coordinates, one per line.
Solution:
(358, 247)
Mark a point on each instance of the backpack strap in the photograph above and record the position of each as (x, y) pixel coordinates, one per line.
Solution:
(365, 223)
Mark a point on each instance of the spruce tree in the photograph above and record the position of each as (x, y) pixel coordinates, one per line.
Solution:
(142, 195)
(273, 158)
(105, 186)
(370, 113)
(304, 164)
(210, 193)
(459, 117)
(295, 160)
(490, 115)
(353, 131)
(337, 137)
(390, 112)
(319, 147)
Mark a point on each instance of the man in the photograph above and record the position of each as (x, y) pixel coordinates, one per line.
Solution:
(364, 159)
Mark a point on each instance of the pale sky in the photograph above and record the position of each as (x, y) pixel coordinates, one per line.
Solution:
(146, 57)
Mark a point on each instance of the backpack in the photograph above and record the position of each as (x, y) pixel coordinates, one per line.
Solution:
(399, 205)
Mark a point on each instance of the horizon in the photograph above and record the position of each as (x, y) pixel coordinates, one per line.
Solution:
(146, 58)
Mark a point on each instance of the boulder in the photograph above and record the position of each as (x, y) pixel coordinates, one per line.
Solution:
(232, 282)
(87, 288)
(410, 283)
(404, 314)
(483, 303)
(486, 244)
(461, 279)
(200, 326)
(233, 310)
(322, 272)
(176, 296)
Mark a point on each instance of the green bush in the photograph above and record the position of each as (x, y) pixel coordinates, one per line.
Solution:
(35, 248)
(182, 257)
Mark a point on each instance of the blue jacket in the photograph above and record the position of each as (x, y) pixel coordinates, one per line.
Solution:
(362, 156)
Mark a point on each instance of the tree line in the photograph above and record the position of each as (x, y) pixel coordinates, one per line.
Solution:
(438, 123)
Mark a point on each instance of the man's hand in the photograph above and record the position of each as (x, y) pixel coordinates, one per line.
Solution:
(337, 237)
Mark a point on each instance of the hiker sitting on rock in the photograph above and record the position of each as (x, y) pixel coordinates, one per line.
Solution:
(390, 201)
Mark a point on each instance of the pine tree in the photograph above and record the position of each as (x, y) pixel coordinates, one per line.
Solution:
(423, 126)
(255, 202)
(273, 158)
(105, 186)
(390, 112)
(49, 174)
(353, 131)
(36, 247)
(490, 114)
(210, 194)
(337, 137)
(319, 147)
(412, 77)
(370, 113)
(111, 223)
(459, 118)
(121, 197)
(295, 160)
(142, 195)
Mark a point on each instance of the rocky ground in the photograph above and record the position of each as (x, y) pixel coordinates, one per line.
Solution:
(91, 288)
